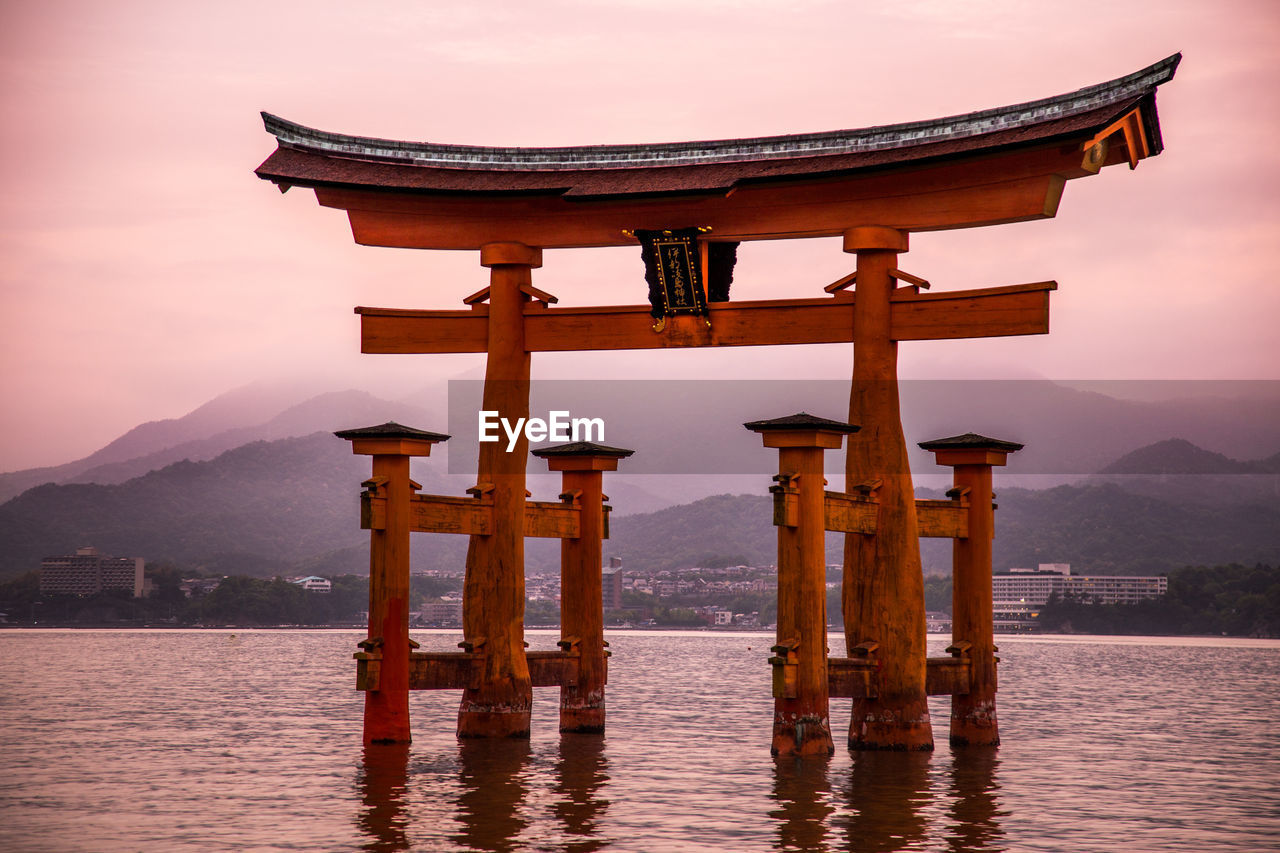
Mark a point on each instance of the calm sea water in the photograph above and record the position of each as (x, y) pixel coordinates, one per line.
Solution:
(214, 740)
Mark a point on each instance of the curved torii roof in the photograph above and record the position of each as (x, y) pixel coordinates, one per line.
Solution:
(998, 165)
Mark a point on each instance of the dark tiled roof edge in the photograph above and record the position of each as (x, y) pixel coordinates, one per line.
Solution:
(390, 429)
(471, 157)
(582, 448)
(801, 420)
(971, 441)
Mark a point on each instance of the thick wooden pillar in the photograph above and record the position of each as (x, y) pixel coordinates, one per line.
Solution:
(582, 705)
(973, 714)
(883, 590)
(386, 710)
(801, 718)
(493, 593)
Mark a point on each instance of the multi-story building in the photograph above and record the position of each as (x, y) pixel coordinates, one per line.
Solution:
(87, 572)
(611, 590)
(313, 583)
(1019, 593)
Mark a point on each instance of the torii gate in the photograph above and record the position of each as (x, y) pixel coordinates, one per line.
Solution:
(873, 187)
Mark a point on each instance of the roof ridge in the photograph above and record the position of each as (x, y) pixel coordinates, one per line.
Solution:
(787, 146)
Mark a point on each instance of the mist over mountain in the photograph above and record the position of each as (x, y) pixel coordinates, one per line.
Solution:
(252, 413)
(1178, 467)
(275, 496)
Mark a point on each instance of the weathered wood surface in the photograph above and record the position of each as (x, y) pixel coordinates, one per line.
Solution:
(947, 676)
(882, 593)
(552, 520)
(801, 716)
(1015, 187)
(465, 670)
(386, 710)
(853, 678)
(847, 513)
(1021, 309)
(582, 703)
(466, 516)
(940, 519)
(493, 590)
(554, 668)
(974, 721)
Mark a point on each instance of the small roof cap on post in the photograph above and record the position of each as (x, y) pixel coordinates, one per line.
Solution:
(802, 430)
(582, 456)
(391, 439)
(802, 420)
(970, 449)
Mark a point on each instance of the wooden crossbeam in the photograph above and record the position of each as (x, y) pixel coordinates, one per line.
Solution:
(851, 678)
(847, 513)
(550, 520)
(1021, 309)
(856, 513)
(463, 670)
(468, 516)
(942, 519)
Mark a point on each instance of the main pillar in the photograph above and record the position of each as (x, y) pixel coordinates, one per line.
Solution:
(973, 714)
(493, 593)
(801, 717)
(581, 593)
(883, 588)
(386, 710)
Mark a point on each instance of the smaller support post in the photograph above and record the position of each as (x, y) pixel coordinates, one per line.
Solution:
(973, 714)
(386, 710)
(581, 601)
(801, 724)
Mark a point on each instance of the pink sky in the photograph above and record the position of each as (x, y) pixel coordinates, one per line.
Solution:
(146, 269)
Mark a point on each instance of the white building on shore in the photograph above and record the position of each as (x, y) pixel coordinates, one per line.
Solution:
(1018, 594)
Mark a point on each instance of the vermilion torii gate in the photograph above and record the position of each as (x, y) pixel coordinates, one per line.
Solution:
(871, 187)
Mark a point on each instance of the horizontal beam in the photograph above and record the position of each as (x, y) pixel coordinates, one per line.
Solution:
(1021, 309)
(946, 676)
(444, 514)
(464, 670)
(847, 513)
(850, 513)
(472, 516)
(1025, 187)
(851, 678)
(552, 520)
(854, 678)
(942, 519)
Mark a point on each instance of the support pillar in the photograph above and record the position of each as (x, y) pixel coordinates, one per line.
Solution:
(386, 710)
(582, 705)
(973, 714)
(493, 592)
(801, 717)
(882, 593)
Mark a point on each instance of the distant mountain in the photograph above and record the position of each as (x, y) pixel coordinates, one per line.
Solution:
(258, 507)
(1177, 466)
(1179, 456)
(291, 506)
(227, 422)
(1107, 529)
(722, 530)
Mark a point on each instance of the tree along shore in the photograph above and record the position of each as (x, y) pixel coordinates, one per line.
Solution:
(1231, 600)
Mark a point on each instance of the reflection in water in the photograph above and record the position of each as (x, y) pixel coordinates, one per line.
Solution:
(887, 793)
(975, 811)
(803, 791)
(382, 784)
(580, 773)
(493, 791)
